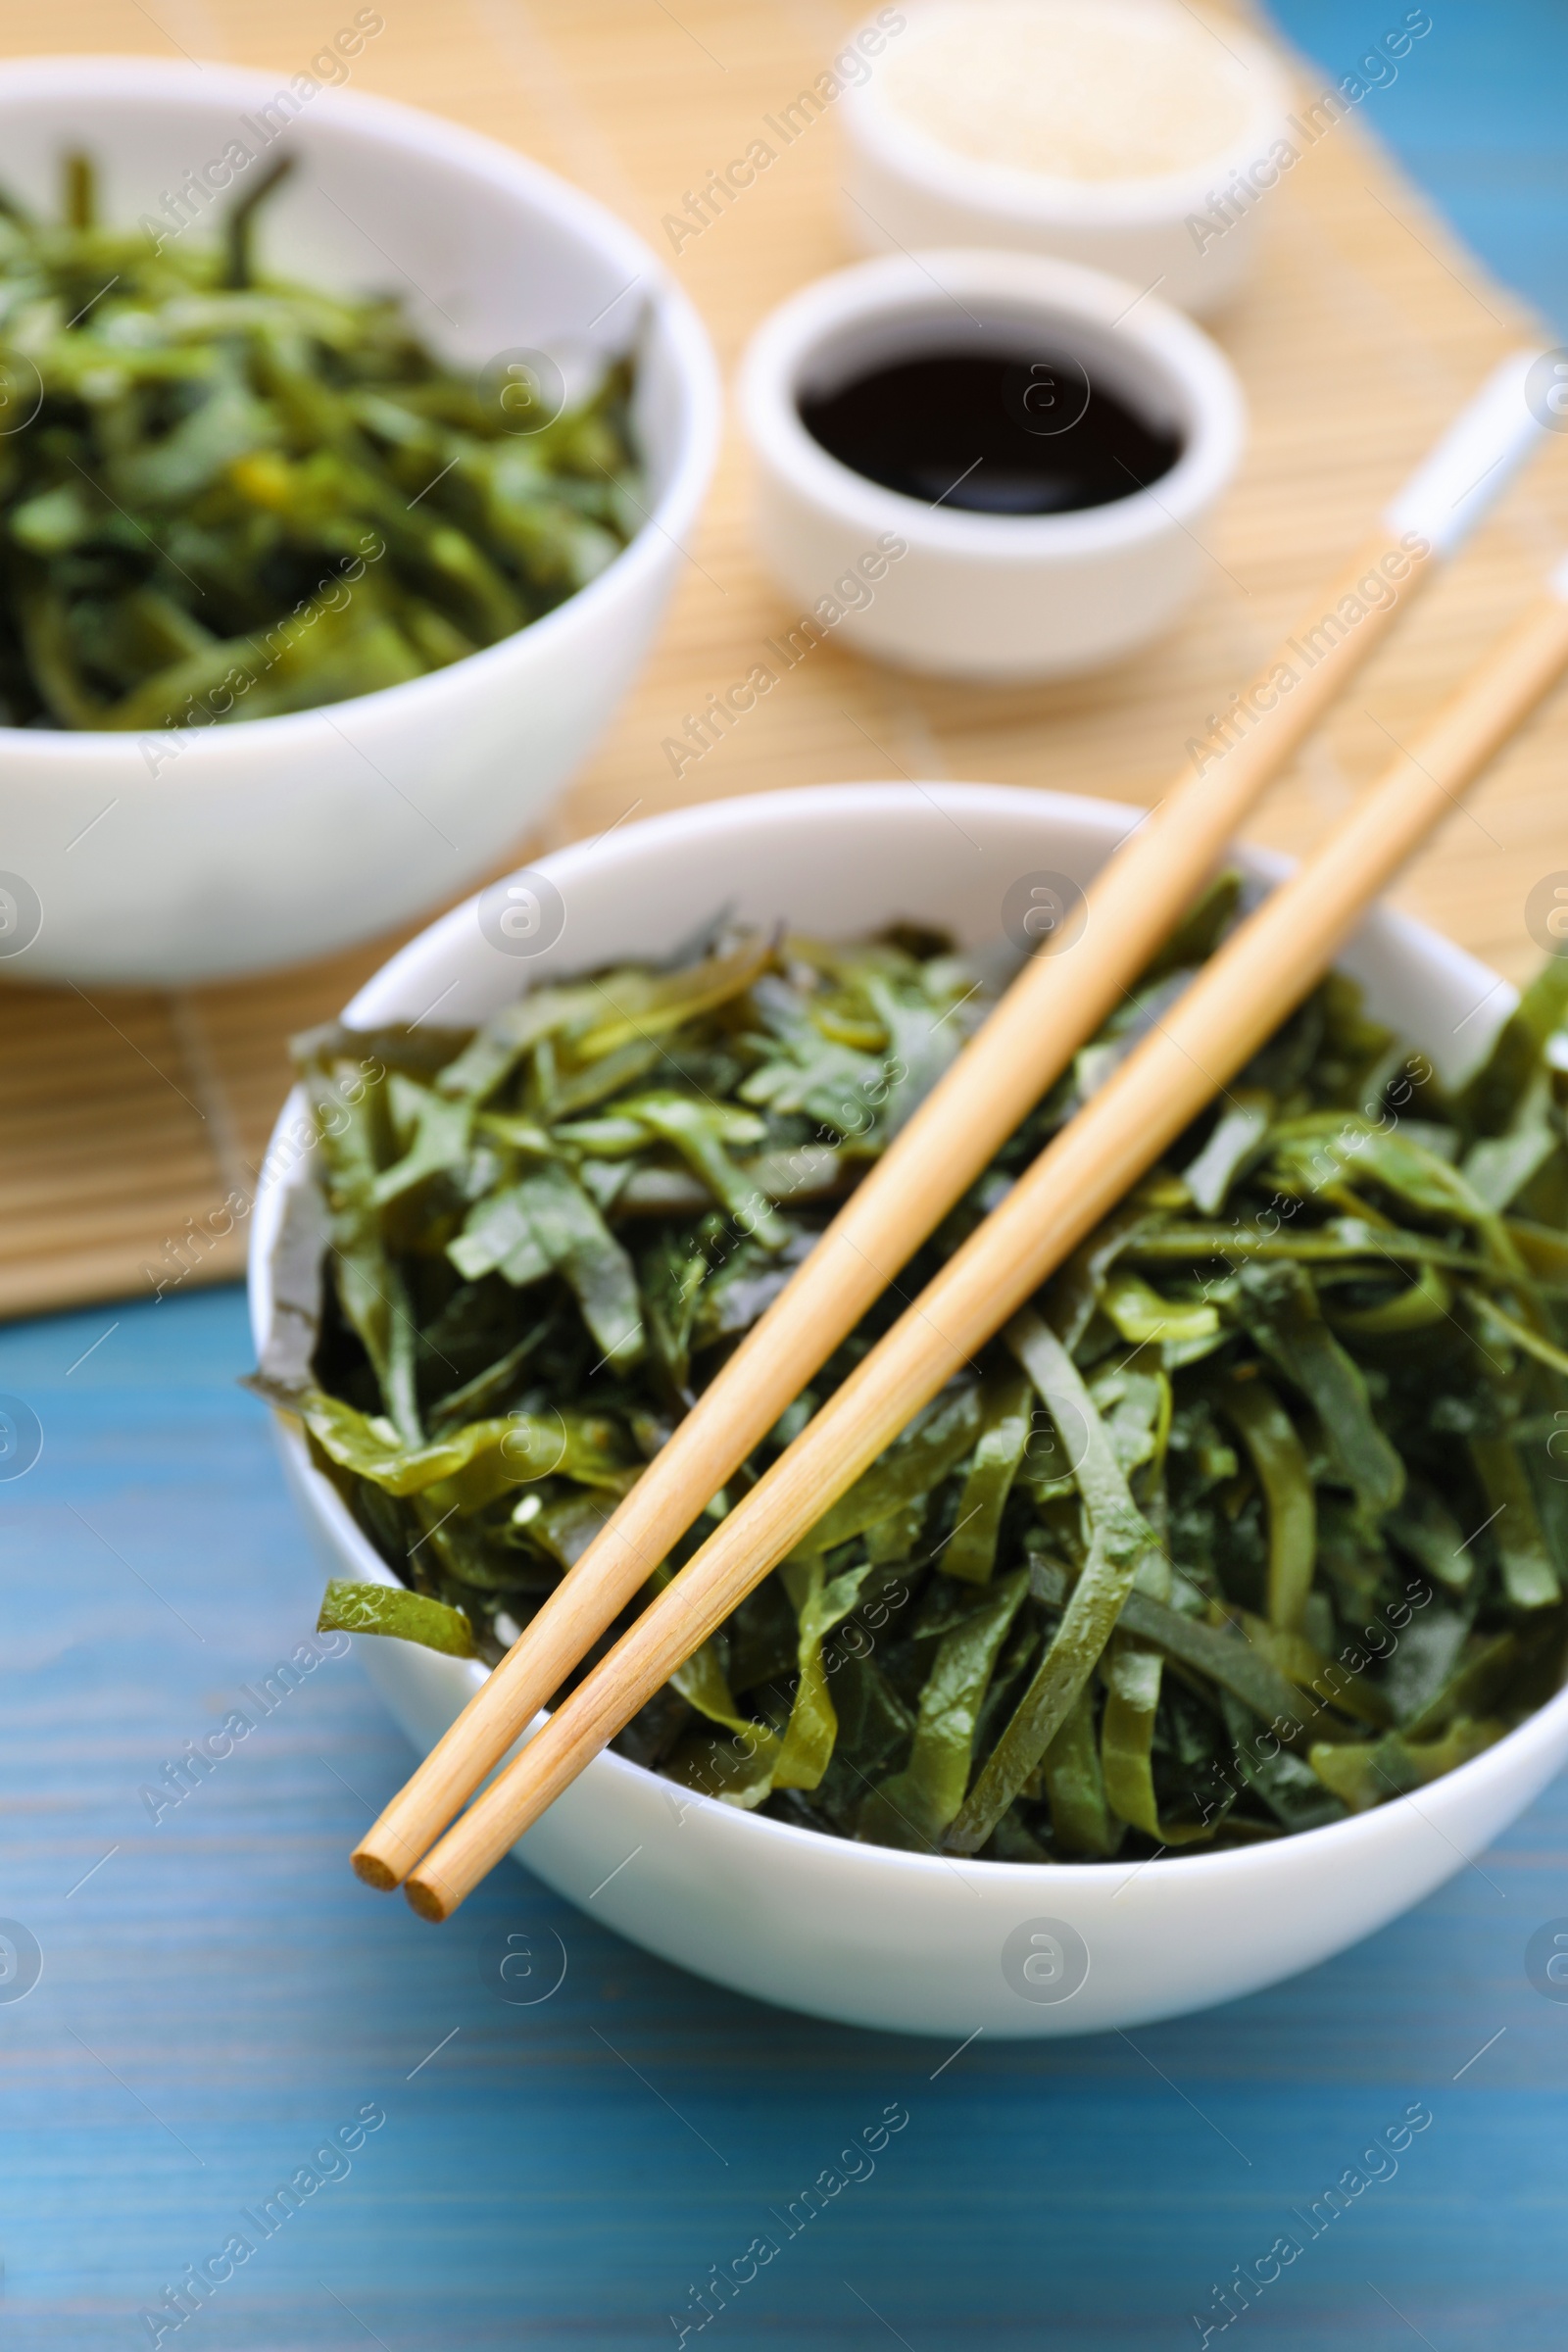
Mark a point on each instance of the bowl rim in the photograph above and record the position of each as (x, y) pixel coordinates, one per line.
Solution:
(532, 187)
(1042, 200)
(1062, 295)
(819, 803)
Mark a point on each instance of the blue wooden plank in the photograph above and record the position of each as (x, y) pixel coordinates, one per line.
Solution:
(1476, 115)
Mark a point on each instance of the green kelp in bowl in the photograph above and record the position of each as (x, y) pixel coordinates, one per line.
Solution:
(1315, 1360)
(236, 497)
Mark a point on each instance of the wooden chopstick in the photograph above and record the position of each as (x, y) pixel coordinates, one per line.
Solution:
(1058, 1002)
(1236, 1003)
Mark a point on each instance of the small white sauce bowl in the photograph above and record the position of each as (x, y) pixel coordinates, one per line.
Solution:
(862, 1934)
(904, 188)
(994, 597)
(234, 848)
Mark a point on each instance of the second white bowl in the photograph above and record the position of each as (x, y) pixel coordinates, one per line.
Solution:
(863, 1934)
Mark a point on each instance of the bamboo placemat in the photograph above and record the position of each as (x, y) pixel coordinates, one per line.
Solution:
(129, 1117)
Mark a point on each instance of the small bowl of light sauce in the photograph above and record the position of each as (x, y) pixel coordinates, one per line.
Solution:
(1131, 135)
(986, 465)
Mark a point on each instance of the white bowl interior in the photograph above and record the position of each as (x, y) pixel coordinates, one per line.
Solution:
(381, 199)
(939, 853)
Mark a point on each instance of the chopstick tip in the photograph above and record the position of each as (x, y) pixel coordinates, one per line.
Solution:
(428, 1899)
(374, 1870)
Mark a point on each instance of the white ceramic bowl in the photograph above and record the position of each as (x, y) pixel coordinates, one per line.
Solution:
(985, 596)
(240, 846)
(905, 189)
(861, 1932)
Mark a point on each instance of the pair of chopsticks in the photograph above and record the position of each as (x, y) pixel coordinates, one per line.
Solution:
(1235, 1003)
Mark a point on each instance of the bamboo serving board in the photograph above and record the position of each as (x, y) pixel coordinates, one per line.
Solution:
(131, 1117)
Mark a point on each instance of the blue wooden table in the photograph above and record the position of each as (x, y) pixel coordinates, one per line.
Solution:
(1478, 115)
(222, 2010)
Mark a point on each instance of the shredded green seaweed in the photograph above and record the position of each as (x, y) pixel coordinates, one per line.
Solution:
(1257, 1516)
(236, 497)
(348, 1608)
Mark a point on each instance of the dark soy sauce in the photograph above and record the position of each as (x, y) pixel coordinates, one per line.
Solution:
(994, 432)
